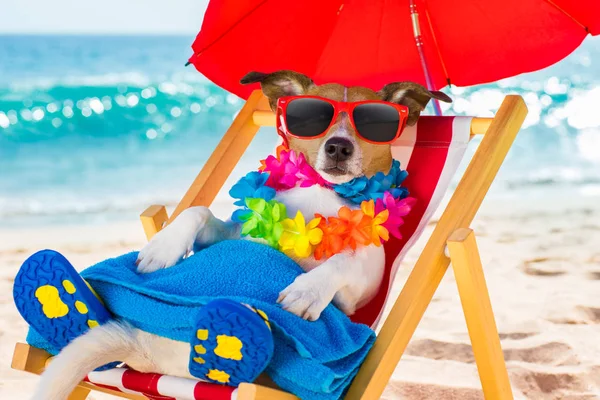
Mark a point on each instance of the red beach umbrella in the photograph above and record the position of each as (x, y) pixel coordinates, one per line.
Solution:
(375, 42)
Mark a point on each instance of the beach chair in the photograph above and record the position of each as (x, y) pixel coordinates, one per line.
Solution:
(431, 152)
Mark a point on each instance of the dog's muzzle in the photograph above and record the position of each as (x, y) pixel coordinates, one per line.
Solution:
(338, 151)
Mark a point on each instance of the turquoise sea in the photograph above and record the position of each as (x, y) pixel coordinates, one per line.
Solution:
(95, 128)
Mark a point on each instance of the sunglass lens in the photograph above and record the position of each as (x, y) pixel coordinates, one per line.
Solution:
(308, 117)
(376, 122)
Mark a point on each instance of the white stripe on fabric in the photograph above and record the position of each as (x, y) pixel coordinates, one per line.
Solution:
(180, 388)
(112, 377)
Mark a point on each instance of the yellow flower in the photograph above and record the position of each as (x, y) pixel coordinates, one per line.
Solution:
(368, 208)
(378, 231)
(299, 237)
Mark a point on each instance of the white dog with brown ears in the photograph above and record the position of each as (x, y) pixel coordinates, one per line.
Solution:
(350, 279)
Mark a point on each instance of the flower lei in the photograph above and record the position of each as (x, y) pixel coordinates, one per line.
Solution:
(383, 204)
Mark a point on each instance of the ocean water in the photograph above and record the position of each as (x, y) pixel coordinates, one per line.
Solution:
(97, 128)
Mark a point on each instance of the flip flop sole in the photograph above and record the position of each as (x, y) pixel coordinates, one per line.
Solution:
(233, 343)
(55, 300)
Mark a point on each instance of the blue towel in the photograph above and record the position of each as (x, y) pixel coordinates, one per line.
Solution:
(313, 360)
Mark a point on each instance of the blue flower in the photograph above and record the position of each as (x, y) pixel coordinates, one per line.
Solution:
(364, 189)
(392, 182)
(353, 190)
(252, 186)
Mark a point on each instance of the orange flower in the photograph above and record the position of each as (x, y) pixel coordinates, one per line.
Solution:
(357, 226)
(333, 237)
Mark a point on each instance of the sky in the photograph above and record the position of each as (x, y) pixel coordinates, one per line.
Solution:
(101, 16)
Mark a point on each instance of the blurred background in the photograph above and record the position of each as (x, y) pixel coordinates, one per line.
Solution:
(99, 117)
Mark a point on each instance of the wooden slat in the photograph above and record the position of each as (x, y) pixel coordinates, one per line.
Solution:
(479, 315)
(29, 359)
(250, 391)
(153, 219)
(432, 264)
(224, 158)
(479, 126)
(266, 118)
(80, 393)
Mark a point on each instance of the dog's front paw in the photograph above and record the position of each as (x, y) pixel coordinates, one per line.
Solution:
(174, 242)
(164, 250)
(306, 297)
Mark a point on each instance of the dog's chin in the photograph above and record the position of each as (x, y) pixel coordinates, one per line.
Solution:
(336, 174)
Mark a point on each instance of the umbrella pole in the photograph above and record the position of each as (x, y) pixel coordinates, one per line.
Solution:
(414, 14)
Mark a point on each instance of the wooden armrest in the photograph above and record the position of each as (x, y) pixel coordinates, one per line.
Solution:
(153, 219)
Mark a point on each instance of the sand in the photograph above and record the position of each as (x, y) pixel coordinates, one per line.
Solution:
(542, 264)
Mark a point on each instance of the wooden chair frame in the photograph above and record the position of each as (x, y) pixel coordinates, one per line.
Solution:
(451, 236)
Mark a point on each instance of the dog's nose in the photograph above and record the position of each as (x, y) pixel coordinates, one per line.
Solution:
(339, 149)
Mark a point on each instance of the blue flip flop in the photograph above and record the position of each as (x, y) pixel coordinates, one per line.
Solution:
(233, 343)
(55, 300)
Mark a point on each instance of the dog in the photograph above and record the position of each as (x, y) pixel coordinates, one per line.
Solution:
(349, 279)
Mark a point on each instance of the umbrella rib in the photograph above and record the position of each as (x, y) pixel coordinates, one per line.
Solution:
(231, 27)
(587, 30)
(436, 45)
(378, 48)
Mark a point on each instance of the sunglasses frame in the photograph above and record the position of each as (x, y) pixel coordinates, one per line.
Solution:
(338, 107)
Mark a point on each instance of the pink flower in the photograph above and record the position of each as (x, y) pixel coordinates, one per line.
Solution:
(307, 174)
(282, 171)
(398, 208)
(290, 169)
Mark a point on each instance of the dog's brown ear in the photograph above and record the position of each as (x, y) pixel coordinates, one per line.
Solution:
(412, 95)
(279, 84)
